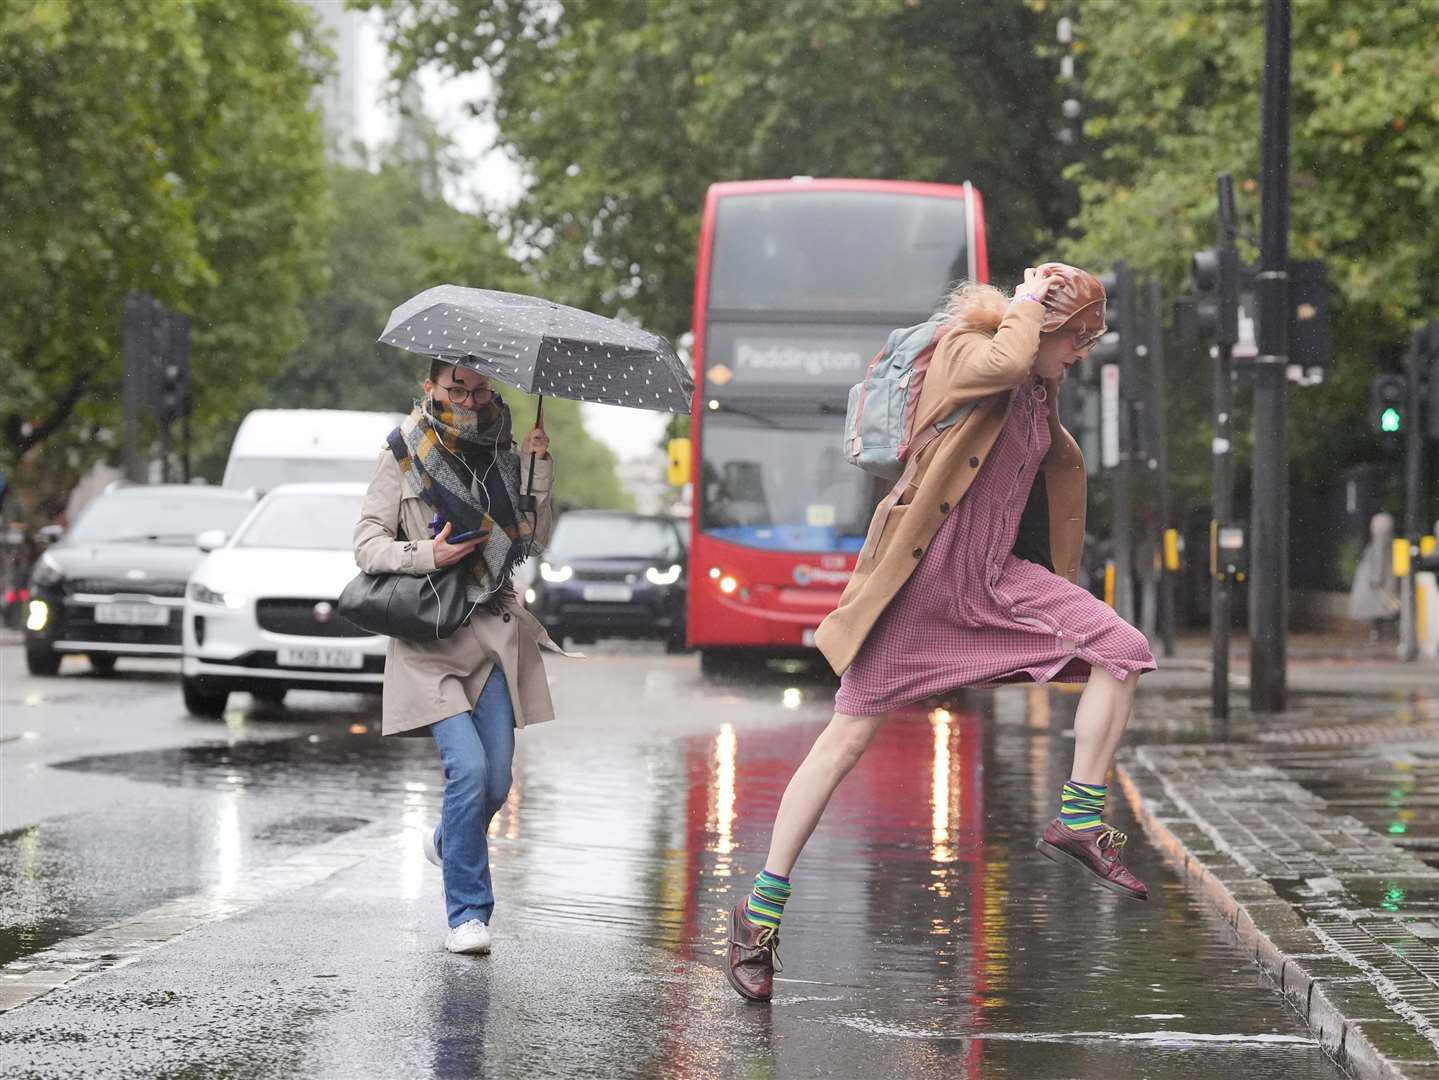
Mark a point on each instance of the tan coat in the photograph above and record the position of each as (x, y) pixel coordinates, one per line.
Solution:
(426, 683)
(966, 367)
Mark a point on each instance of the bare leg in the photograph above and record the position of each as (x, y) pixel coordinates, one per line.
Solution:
(1104, 711)
(834, 753)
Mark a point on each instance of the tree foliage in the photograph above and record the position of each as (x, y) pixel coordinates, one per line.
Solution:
(392, 236)
(1173, 91)
(169, 148)
(622, 112)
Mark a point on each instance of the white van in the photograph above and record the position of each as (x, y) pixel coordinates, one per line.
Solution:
(296, 446)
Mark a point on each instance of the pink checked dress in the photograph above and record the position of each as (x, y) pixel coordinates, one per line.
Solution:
(973, 613)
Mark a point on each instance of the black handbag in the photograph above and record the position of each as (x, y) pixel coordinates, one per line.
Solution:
(419, 608)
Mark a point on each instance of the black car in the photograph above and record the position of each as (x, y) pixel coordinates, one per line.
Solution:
(114, 585)
(610, 574)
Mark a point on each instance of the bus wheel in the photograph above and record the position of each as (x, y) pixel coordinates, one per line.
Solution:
(719, 663)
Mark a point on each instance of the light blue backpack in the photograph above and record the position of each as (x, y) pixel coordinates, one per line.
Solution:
(879, 433)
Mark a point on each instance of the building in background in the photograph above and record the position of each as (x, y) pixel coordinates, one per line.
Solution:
(339, 97)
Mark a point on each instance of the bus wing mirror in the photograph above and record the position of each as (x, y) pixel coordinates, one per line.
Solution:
(679, 467)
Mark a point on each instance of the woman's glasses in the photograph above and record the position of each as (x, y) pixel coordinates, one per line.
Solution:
(460, 394)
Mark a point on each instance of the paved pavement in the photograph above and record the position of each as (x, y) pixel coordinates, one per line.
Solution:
(249, 898)
(1318, 840)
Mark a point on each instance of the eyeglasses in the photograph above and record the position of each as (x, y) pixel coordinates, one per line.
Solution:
(1085, 338)
(459, 394)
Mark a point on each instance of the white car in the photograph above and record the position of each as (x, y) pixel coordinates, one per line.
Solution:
(261, 610)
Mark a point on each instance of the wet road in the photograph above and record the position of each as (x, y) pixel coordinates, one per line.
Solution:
(926, 937)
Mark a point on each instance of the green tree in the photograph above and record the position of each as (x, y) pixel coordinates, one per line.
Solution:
(622, 112)
(166, 147)
(393, 235)
(1174, 94)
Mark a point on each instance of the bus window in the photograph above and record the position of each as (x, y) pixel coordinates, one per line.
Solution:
(783, 253)
(781, 488)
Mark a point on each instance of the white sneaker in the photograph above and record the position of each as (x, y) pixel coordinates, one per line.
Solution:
(432, 853)
(470, 937)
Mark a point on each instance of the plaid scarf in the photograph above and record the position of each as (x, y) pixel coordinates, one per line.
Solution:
(432, 445)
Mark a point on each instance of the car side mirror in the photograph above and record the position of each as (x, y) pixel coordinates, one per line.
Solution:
(211, 539)
(49, 534)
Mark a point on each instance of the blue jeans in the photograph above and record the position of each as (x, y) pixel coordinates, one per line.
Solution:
(477, 749)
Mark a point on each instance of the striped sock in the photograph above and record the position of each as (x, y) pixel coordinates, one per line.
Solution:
(1082, 805)
(765, 905)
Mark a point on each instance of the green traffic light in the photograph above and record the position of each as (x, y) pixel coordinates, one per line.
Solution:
(1389, 419)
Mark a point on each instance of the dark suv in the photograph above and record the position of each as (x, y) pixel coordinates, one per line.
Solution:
(610, 574)
(114, 585)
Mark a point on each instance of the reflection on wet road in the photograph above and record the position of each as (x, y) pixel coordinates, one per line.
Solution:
(926, 937)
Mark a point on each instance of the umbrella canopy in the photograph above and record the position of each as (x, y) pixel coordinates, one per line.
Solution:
(543, 347)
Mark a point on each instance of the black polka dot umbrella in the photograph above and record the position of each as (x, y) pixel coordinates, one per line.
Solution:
(543, 347)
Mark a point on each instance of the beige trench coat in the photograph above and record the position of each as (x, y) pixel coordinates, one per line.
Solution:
(966, 367)
(429, 682)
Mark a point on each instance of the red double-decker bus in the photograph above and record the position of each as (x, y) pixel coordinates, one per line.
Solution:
(799, 282)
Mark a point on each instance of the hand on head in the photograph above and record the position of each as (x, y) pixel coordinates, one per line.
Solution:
(1037, 280)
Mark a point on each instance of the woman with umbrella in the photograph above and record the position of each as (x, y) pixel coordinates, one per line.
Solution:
(448, 489)
(471, 690)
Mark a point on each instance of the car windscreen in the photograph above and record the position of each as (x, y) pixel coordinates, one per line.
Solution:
(303, 522)
(836, 251)
(268, 473)
(603, 536)
(773, 485)
(139, 516)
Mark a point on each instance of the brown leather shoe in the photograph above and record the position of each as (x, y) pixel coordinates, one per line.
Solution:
(753, 956)
(1094, 850)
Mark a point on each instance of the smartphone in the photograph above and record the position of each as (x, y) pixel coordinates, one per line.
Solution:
(437, 526)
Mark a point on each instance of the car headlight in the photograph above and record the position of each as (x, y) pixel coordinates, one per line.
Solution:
(202, 595)
(556, 574)
(47, 571)
(655, 576)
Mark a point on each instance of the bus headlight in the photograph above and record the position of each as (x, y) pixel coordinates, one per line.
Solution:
(728, 584)
(556, 574)
(38, 616)
(655, 576)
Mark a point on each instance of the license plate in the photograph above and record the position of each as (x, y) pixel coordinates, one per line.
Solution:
(320, 657)
(609, 594)
(807, 638)
(132, 614)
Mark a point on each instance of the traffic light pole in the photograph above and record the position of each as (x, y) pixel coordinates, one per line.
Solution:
(1269, 503)
(1160, 426)
(1124, 471)
(1413, 493)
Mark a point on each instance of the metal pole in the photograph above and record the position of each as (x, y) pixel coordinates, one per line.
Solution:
(1160, 427)
(1124, 472)
(1269, 500)
(135, 336)
(1413, 493)
(1221, 572)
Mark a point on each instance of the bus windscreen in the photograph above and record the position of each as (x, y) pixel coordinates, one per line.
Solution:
(890, 253)
(781, 487)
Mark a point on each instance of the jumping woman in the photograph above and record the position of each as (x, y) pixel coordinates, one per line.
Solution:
(965, 580)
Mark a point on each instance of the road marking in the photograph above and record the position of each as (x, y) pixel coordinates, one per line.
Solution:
(35, 975)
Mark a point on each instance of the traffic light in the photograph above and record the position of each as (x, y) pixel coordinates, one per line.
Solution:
(1216, 281)
(1387, 396)
(1429, 368)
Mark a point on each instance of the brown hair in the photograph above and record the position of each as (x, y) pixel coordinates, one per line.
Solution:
(974, 305)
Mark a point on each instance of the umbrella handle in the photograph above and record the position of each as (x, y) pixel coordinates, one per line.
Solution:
(528, 502)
